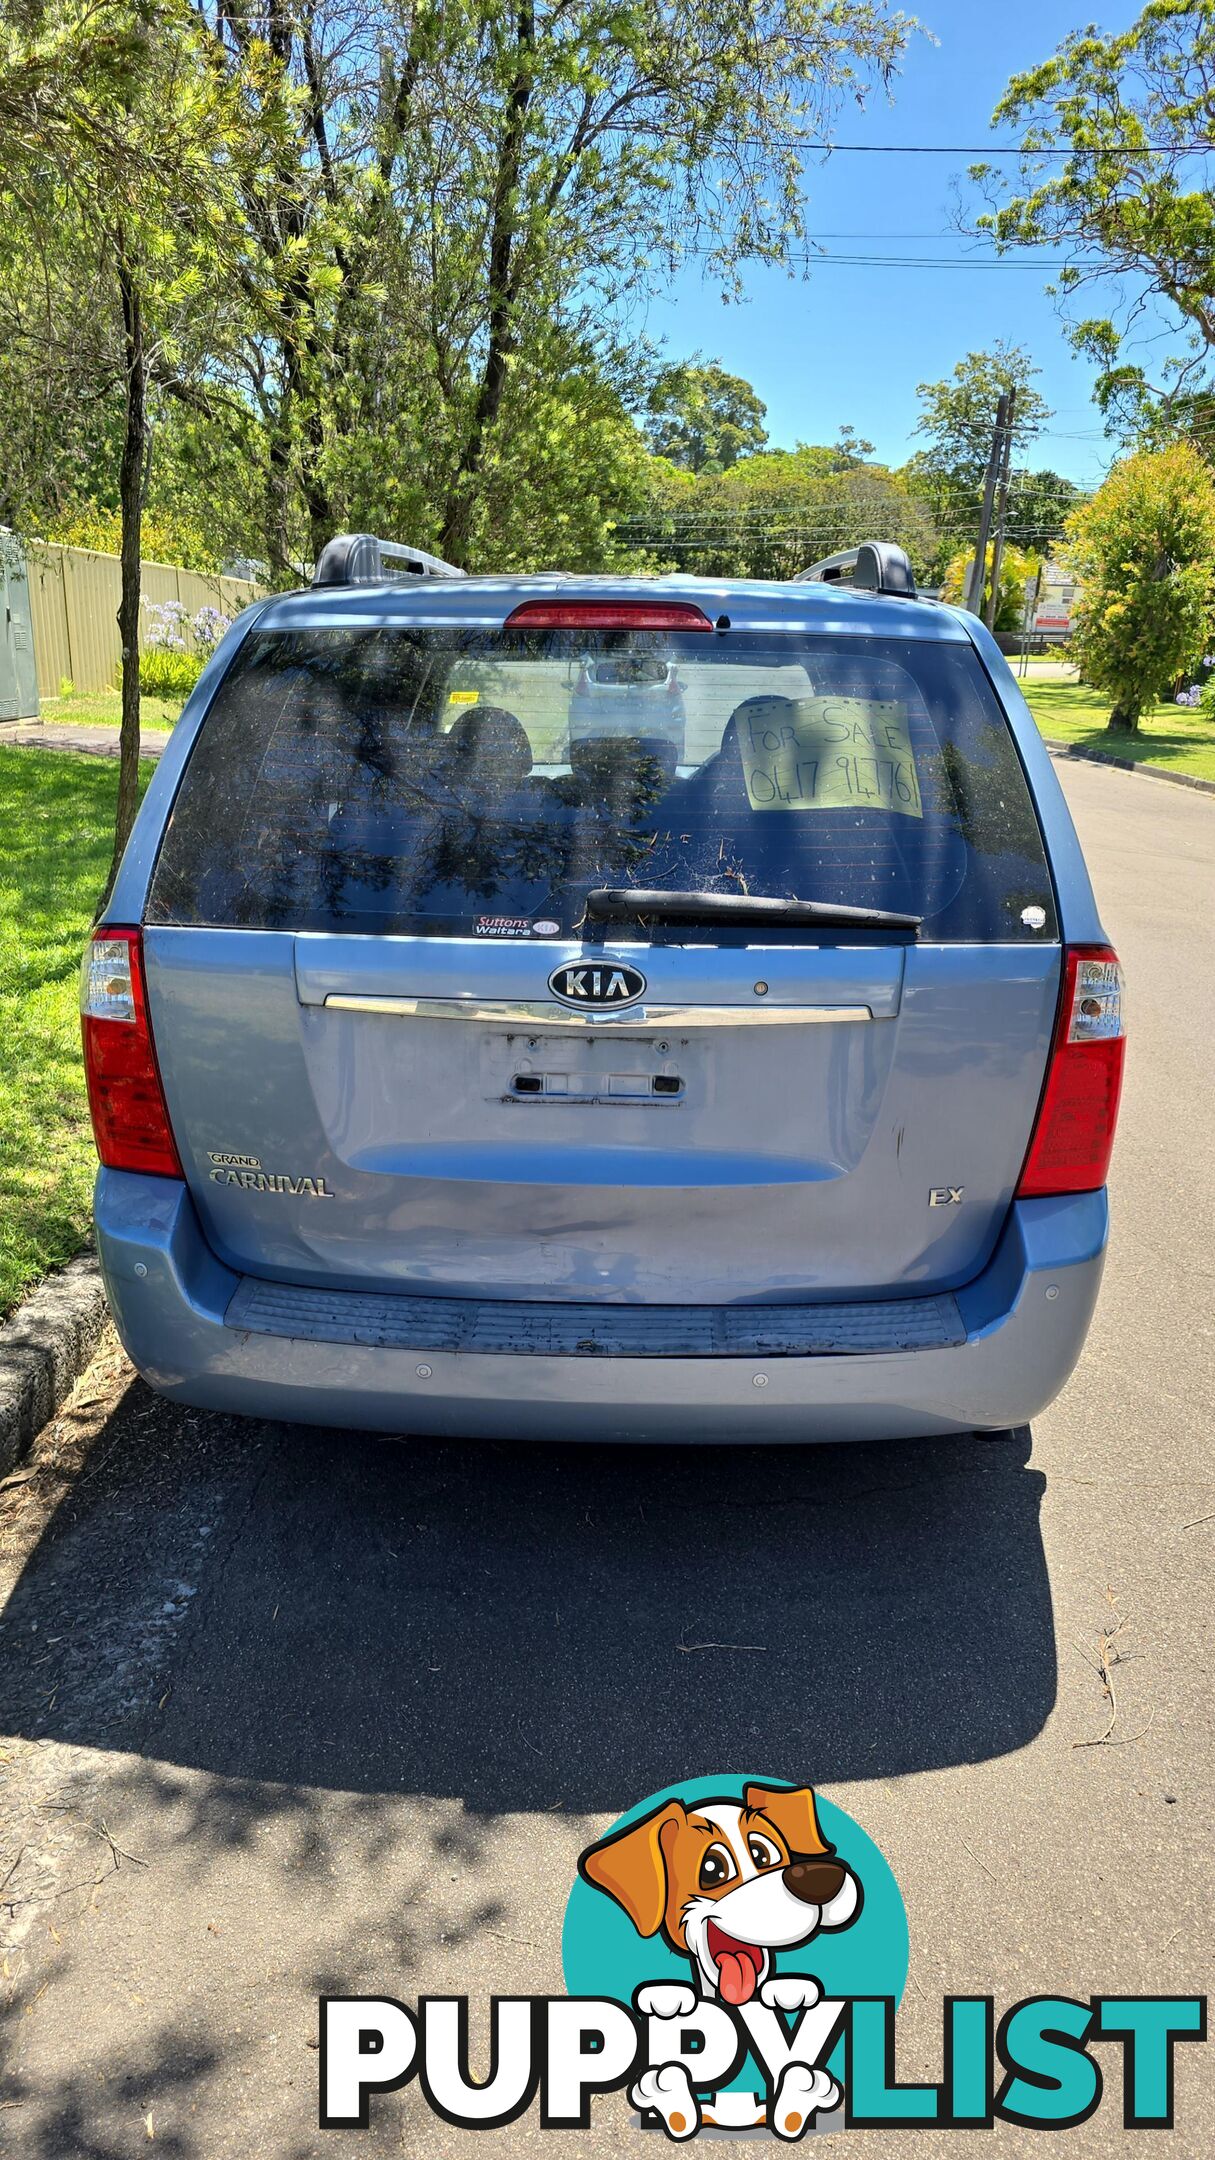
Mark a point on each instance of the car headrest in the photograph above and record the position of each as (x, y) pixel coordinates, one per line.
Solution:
(489, 749)
(771, 709)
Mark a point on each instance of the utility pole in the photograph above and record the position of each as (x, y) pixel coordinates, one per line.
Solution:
(974, 595)
(997, 551)
(1033, 593)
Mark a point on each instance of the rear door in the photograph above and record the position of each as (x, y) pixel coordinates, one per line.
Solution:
(384, 860)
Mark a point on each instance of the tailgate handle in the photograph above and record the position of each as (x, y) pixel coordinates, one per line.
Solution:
(656, 1019)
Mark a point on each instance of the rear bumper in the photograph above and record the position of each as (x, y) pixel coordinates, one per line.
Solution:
(1022, 1326)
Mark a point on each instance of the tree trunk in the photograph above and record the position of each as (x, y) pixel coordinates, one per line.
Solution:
(1123, 721)
(296, 442)
(277, 513)
(130, 497)
(461, 500)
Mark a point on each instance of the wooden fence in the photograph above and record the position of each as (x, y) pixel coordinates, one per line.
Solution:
(74, 602)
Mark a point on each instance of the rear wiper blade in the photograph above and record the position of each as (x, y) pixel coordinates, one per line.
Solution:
(627, 903)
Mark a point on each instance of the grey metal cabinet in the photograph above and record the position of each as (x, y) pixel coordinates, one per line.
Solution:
(18, 670)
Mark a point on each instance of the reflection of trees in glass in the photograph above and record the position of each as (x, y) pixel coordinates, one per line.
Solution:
(323, 794)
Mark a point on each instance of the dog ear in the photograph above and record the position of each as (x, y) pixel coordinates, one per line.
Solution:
(632, 1868)
(792, 1813)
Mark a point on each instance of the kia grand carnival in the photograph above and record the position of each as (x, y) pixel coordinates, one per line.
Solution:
(743, 1068)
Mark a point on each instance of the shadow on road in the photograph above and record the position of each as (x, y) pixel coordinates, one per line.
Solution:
(527, 1628)
(344, 1705)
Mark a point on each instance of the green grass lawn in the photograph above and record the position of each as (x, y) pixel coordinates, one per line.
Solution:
(1174, 736)
(103, 708)
(56, 832)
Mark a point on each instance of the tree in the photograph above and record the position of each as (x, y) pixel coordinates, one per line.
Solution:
(771, 515)
(1039, 504)
(460, 193)
(136, 249)
(450, 222)
(619, 137)
(1184, 416)
(1018, 567)
(184, 541)
(1132, 195)
(957, 417)
(703, 419)
(65, 76)
(1143, 551)
(568, 464)
(850, 450)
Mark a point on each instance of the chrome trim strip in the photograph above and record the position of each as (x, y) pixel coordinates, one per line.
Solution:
(647, 1019)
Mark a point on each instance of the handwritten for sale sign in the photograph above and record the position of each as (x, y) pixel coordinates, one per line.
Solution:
(828, 753)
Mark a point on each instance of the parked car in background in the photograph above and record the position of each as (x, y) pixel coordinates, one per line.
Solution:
(467, 1056)
(631, 694)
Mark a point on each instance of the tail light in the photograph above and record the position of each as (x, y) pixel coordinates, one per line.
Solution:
(607, 615)
(1074, 1134)
(130, 1121)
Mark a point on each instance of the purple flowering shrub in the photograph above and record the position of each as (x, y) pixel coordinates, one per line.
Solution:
(176, 646)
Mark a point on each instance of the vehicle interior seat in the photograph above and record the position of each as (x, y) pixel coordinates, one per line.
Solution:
(624, 776)
(487, 753)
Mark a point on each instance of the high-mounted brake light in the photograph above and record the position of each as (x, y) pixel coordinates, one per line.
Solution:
(607, 615)
(1074, 1134)
(130, 1122)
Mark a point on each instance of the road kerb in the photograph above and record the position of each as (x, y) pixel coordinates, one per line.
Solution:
(44, 1348)
(1131, 765)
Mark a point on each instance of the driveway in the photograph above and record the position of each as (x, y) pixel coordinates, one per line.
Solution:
(293, 1710)
(88, 741)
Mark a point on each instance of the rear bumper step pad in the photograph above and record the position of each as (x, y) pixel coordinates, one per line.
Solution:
(491, 1327)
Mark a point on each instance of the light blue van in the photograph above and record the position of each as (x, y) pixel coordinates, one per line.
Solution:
(458, 1069)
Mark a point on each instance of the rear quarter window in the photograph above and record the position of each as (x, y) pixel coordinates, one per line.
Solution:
(479, 783)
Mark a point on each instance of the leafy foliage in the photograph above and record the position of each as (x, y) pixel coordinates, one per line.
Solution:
(957, 418)
(1017, 567)
(67, 74)
(176, 647)
(1171, 735)
(1039, 505)
(420, 316)
(463, 204)
(703, 419)
(566, 462)
(1143, 550)
(381, 259)
(137, 254)
(770, 515)
(165, 538)
(1132, 195)
(168, 674)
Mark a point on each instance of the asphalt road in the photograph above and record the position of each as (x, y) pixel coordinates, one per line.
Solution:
(294, 1711)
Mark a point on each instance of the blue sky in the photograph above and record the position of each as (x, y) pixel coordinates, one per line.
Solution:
(850, 344)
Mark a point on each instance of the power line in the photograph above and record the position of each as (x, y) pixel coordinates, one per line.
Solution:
(813, 260)
(1007, 259)
(982, 150)
(943, 233)
(1131, 150)
(785, 535)
(755, 528)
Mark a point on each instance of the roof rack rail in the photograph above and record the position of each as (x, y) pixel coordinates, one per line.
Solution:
(876, 566)
(361, 559)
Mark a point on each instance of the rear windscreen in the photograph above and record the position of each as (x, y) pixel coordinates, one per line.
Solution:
(480, 783)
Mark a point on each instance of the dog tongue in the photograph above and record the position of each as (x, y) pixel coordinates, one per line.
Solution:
(736, 1977)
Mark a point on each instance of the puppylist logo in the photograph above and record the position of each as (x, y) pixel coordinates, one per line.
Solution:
(734, 1952)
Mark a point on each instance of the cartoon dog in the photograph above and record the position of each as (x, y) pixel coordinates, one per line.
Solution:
(727, 1884)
